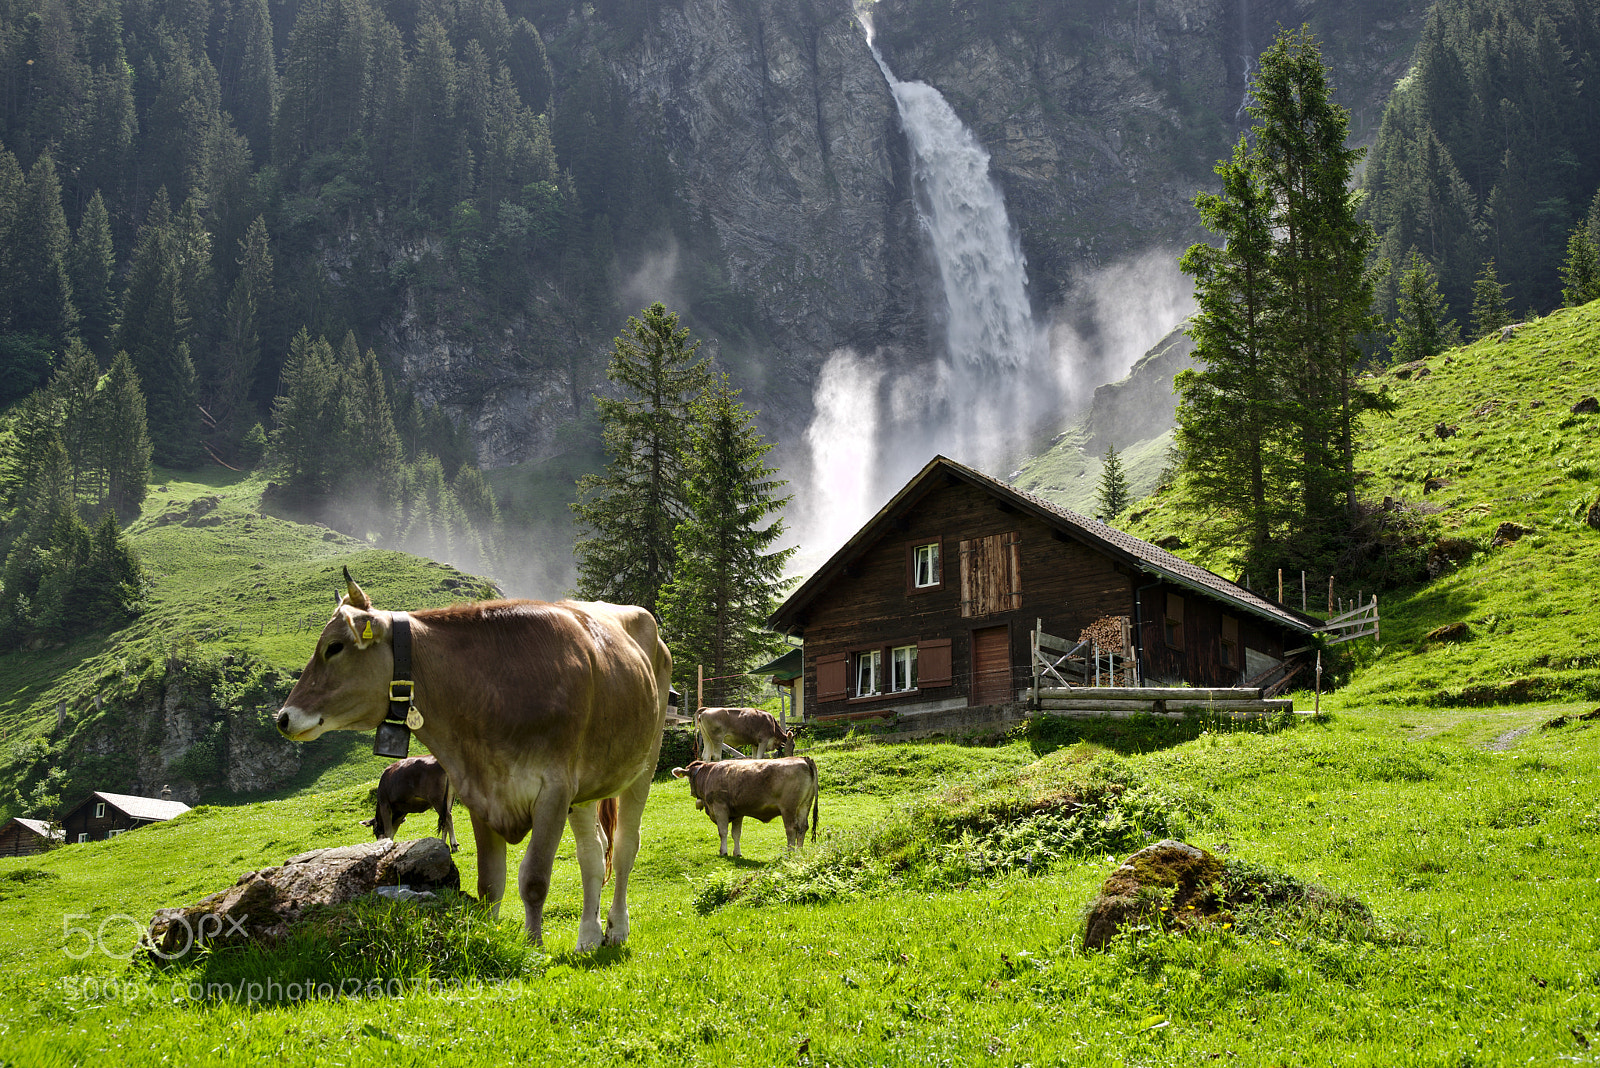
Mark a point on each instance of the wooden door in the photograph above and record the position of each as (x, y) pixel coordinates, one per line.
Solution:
(991, 666)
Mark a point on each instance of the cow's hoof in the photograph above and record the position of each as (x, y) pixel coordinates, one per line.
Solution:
(615, 936)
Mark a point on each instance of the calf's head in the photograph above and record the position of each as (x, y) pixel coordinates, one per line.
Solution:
(786, 747)
(693, 773)
(345, 686)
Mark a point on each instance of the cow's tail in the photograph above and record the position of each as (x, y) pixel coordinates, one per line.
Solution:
(606, 815)
(816, 792)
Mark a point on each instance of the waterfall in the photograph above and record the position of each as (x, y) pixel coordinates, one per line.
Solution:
(978, 398)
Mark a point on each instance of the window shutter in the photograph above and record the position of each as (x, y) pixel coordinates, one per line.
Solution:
(933, 663)
(833, 675)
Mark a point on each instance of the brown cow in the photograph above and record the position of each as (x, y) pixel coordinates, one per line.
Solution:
(729, 791)
(742, 726)
(409, 786)
(536, 711)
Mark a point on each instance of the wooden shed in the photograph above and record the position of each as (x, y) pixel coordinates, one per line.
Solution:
(102, 815)
(23, 838)
(933, 604)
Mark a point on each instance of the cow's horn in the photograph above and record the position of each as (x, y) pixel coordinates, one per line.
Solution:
(358, 597)
(678, 773)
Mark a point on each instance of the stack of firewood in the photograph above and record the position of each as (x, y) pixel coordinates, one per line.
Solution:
(1105, 633)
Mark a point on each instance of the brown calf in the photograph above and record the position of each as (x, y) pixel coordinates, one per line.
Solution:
(761, 789)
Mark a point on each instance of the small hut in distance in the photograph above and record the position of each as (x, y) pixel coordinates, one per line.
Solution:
(104, 815)
(24, 838)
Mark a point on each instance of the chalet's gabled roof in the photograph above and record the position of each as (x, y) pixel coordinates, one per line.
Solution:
(40, 828)
(140, 808)
(1132, 551)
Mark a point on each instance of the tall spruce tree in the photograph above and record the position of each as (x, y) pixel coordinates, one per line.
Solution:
(1490, 309)
(123, 438)
(1421, 330)
(628, 515)
(1283, 307)
(304, 422)
(1228, 428)
(728, 578)
(92, 266)
(1320, 270)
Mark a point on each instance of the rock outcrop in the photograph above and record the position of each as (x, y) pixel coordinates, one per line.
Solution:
(263, 905)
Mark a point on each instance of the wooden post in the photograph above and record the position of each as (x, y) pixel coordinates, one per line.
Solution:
(1280, 585)
(1302, 591)
(1316, 703)
(1330, 595)
(1377, 634)
(699, 687)
(1033, 665)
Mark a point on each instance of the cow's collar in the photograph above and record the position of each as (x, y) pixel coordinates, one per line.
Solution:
(402, 692)
(394, 733)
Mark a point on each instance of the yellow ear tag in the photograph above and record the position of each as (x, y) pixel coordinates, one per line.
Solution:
(366, 633)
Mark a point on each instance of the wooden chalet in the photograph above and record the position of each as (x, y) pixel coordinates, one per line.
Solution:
(23, 838)
(938, 603)
(102, 815)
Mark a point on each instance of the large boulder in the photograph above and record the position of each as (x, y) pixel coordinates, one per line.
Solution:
(1166, 884)
(263, 905)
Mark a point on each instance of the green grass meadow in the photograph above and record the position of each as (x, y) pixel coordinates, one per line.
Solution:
(1470, 836)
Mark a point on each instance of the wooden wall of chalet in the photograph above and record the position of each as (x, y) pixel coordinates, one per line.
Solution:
(18, 841)
(1197, 659)
(1062, 581)
(82, 819)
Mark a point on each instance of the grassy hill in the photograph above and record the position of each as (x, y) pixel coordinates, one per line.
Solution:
(235, 601)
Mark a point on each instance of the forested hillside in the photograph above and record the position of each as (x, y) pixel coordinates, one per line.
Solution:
(1490, 147)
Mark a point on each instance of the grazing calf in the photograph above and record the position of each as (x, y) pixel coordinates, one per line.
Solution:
(742, 726)
(409, 786)
(760, 789)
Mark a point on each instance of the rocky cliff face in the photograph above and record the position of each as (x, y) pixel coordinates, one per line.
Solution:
(1103, 118)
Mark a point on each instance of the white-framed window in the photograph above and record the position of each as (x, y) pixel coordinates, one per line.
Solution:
(903, 668)
(99, 810)
(116, 831)
(83, 836)
(925, 566)
(869, 672)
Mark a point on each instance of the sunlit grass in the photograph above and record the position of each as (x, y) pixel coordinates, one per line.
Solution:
(1475, 861)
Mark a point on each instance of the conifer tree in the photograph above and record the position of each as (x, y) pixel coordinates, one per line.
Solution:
(91, 267)
(1113, 491)
(1320, 270)
(628, 514)
(38, 289)
(1421, 330)
(154, 333)
(1228, 427)
(1283, 306)
(123, 438)
(304, 415)
(239, 345)
(728, 577)
(1580, 274)
(1490, 309)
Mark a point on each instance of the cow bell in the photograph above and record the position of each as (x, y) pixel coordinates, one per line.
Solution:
(392, 740)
